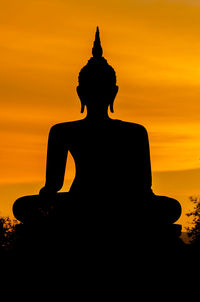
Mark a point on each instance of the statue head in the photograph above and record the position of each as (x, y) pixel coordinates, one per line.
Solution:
(97, 81)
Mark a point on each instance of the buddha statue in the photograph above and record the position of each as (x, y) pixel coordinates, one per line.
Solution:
(112, 160)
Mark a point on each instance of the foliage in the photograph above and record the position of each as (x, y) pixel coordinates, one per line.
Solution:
(194, 231)
(7, 233)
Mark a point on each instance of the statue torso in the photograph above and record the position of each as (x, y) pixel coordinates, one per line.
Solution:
(110, 155)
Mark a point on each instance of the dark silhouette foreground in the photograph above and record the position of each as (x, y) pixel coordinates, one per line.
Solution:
(110, 199)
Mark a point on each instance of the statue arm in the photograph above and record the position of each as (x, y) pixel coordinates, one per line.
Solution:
(147, 162)
(56, 161)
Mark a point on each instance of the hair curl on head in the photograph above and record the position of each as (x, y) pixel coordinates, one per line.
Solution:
(97, 72)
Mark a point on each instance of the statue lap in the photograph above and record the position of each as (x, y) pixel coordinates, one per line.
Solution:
(158, 209)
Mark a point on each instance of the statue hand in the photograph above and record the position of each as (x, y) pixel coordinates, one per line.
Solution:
(47, 198)
(46, 192)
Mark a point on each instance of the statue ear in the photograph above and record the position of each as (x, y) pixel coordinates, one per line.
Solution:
(111, 108)
(81, 98)
(82, 107)
(114, 93)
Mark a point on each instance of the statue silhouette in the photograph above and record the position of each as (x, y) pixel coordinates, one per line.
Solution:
(113, 171)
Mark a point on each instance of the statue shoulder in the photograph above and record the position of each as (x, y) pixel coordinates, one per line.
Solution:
(66, 126)
(133, 126)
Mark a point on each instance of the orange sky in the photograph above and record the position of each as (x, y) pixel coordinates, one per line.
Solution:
(154, 48)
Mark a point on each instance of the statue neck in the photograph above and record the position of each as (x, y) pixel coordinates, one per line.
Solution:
(97, 115)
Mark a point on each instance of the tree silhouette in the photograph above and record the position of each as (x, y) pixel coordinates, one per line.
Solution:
(194, 231)
(8, 234)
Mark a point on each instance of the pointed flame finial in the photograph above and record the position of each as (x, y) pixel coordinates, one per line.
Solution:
(97, 49)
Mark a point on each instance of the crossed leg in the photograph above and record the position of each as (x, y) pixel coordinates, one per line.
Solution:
(157, 208)
(29, 208)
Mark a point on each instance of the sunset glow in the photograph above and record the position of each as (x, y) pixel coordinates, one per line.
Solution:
(154, 48)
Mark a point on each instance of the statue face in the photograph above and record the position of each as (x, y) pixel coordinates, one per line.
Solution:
(97, 97)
